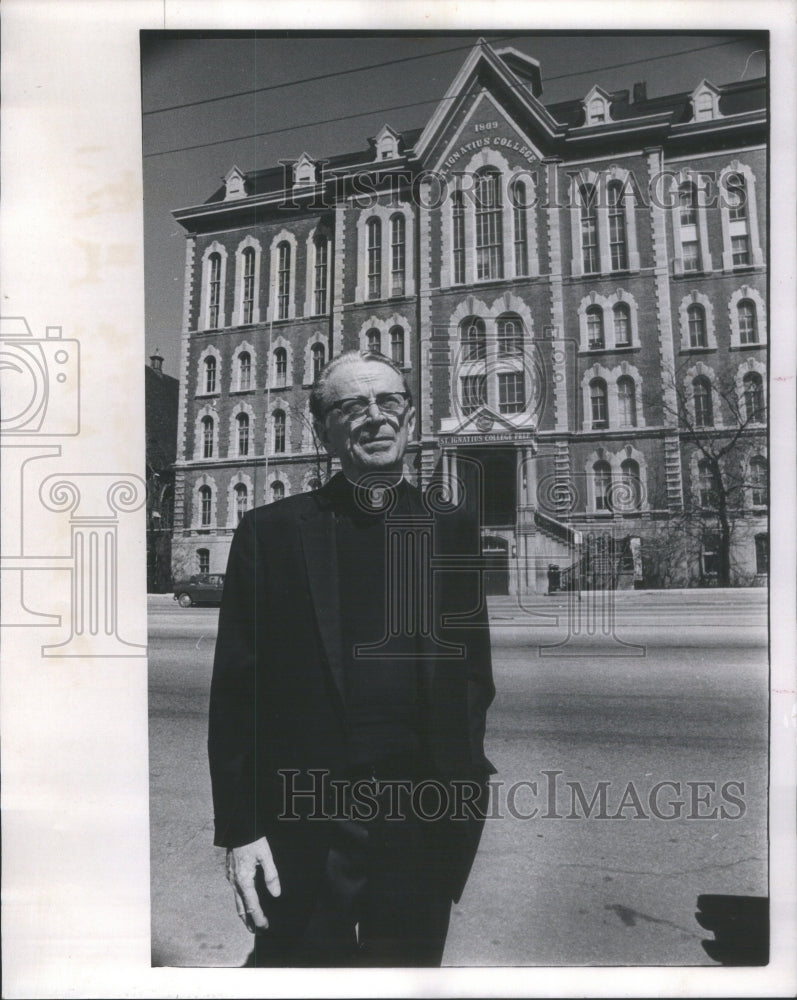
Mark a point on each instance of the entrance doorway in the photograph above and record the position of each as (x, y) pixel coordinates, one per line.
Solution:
(497, 470)
(495, 551)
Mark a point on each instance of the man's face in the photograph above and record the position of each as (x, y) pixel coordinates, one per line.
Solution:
(376, 440)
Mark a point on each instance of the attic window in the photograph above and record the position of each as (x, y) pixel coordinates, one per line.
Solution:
(234, 185)
(304, 172)
(596, 106)
(705, 102)
(386, 144)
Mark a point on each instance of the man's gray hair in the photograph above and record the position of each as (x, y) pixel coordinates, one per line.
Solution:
(317, 403)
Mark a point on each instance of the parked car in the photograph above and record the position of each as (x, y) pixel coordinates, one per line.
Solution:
(202, 589)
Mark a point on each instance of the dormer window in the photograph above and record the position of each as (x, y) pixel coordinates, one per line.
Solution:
(387, 144)
(304, 171)
(705, 102)
(234, 184)
(597, 105)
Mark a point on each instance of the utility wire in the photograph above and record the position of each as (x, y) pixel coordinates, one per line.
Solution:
(414, 104)
(315, 79)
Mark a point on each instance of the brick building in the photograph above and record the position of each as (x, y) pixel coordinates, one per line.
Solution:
(161, 397)
(577, 293)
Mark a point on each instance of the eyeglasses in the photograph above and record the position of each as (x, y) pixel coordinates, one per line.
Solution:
(353, 407)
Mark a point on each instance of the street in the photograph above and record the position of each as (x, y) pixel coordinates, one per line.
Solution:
(608, 869)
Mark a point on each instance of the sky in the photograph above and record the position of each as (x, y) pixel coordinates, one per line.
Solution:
(327, 94)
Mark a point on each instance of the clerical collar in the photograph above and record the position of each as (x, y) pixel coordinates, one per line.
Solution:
(372, 495)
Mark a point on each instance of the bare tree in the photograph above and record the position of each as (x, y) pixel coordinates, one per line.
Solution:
(722, 419)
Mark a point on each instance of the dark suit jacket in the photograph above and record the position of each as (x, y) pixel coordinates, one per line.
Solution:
(277, 691)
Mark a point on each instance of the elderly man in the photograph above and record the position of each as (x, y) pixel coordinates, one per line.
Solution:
(346, 750)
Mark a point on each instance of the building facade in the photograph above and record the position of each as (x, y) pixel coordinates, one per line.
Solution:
(576, 293)
(161, 398)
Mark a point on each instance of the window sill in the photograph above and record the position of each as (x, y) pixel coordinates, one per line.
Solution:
(748, 347)
(242, 392)
(699, 350)
(698, 273)
(207, 395)
(624, 349)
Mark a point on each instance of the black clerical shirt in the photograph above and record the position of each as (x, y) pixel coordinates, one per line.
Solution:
(382, 709)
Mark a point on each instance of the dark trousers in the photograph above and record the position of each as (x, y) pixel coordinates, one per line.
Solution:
(383, 901)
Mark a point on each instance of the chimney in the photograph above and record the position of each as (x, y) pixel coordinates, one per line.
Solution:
(156, 361)
(640, 92)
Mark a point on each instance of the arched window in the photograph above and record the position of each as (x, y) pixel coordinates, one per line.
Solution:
(280, 366)
(315, 483)
(321, 275)
(736, 195)
(687, 201)
(317, 354)
(474, 339)
(618, 247)
(374, 236)
(597, 111)
(520, 220)
(706, 484)
(241, 501)
(602, 483)
(510, 336)
(748, 322)
(626, 393)
(595, 336)
(397, 255)
(458, 242)
(397, 346)
(277, 490)
(696, 317)
(214, 290)
(589, 228)
(704, 409)
(690, 243)
(598, 398)
(207, 437)
(278, 418)
(248, 290)
(758, 481)
(210, 374)
(489, 228)
(283, 279)
(203, 561)
(244, 370)
(632, 494)
(242, 422)
(205, 505)
(753, 397)
(373, 341)
(622, 325)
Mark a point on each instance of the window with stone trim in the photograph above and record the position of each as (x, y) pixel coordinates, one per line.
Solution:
(753, 398)
(602, 485)
(632, 483)
(489, 225)
(283, 279)
(589, 228)
(242, 434)
(706, 484)
(318, 356)
(696, 318)
(248, 289)
(279, 423)
(280, 366)
(748, 322)
(599, 405)
(207, 437)
(210, 374)
(397, 254)
(626, 395)
(596, 339)
(373, 341)
(214, 290)
(320, 275)
(458, 241)
(510, 336)
(277, 490)
(203, 561)
(703, 404)
(473, 392)
(205, 506)
(618, 241)
(473, 335)
(397, 345)
(759, 492)
(622, 324)
(241, 499)
(374, 237)
(520, 220)
(244, 371)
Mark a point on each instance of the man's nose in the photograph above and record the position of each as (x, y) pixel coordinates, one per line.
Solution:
(373, 411)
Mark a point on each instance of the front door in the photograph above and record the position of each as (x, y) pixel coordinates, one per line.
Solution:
(495, 551)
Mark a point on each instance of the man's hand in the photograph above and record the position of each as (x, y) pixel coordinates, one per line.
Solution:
(242, 865)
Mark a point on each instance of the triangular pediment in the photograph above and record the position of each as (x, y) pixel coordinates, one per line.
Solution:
(234, 184)
(489, 106)
(483, 420)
